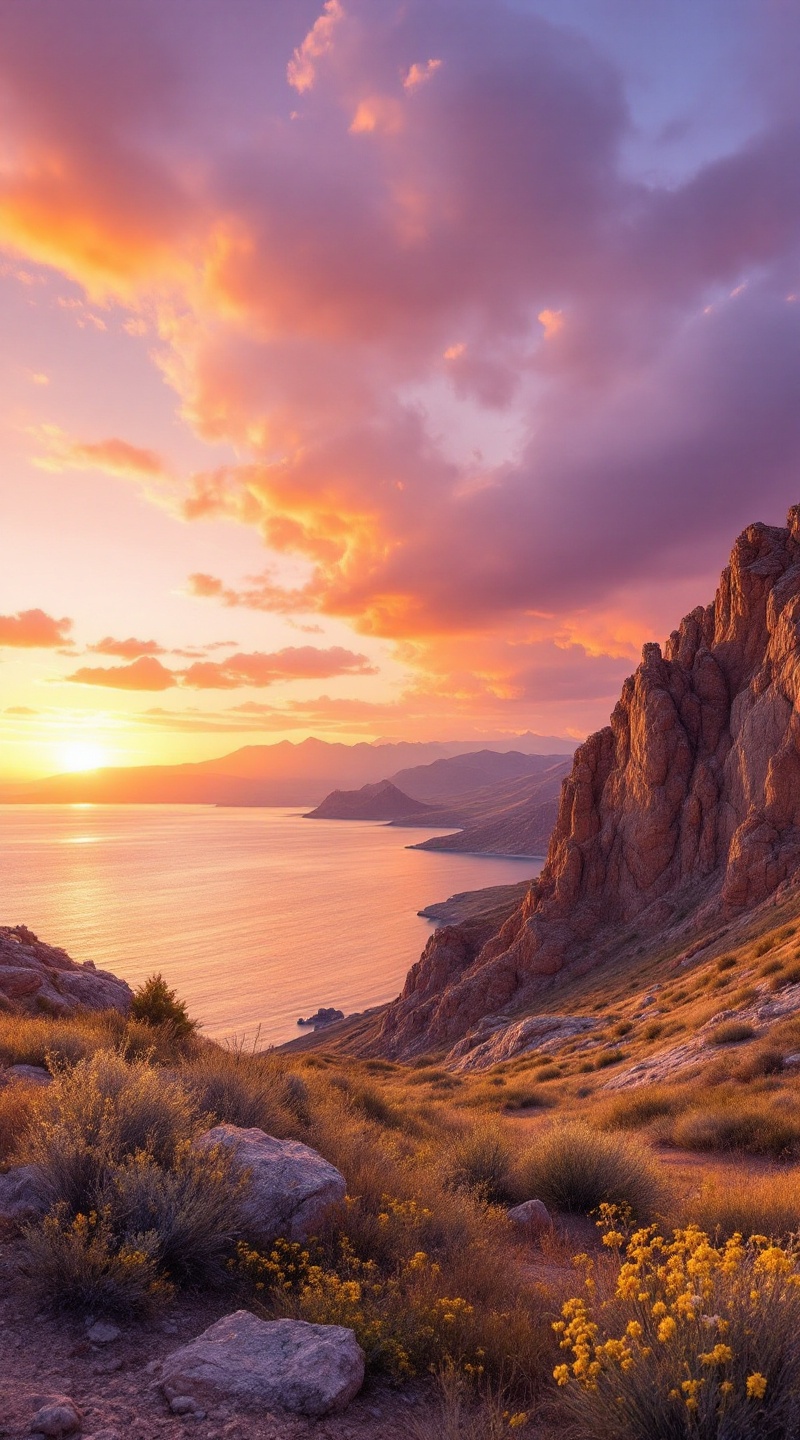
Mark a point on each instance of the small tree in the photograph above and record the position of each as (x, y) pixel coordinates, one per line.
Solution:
(156, 1004)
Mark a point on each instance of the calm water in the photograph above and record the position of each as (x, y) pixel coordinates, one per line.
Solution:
(254, 916)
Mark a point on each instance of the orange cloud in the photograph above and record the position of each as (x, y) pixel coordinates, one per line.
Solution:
(113, 456)
(129, 649)
(257, 669)
(295, 662)
(147, 673)
(33, 629)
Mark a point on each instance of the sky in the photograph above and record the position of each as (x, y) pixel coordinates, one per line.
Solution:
(380, 368)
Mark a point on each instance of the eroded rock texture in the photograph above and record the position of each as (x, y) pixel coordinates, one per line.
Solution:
(41, 979)
(696, 779)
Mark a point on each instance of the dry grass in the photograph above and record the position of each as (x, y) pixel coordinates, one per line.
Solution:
(575, 1168)
(766, 1205)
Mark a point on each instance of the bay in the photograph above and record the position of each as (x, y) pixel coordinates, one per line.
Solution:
(255, 916)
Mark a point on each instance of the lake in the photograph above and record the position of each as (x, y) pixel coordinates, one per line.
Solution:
(255, 916)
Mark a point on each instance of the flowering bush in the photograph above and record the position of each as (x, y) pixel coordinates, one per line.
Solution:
(697, 1340)
(402, 1321)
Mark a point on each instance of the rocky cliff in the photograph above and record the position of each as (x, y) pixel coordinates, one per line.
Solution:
(688, 800)
(40, 979)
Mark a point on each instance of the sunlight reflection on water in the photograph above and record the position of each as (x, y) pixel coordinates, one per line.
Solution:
(255, 916)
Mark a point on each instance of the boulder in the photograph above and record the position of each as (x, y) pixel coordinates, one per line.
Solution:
(531, 1218)
(58, 1416)
(268, 1365)
(290, 1188)
(30, 1074)
(20, 1200)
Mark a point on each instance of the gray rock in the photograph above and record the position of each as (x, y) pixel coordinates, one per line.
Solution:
(60, 1416)
(19, 1196)
(183, 1405)
(532, 1217)
(268, 1364)
(290, 1189)
(33, 1074)
(103, 1332)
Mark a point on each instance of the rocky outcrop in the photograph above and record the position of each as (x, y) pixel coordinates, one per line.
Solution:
(372, 802)
(290, 1186)
(39, 979)
(267, 1365)
(691, 796)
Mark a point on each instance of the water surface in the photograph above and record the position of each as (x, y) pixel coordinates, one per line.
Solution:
(254, 916)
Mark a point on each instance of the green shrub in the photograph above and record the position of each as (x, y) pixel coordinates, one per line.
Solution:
(156, 1004)
(575, 1168)
(731, 1032)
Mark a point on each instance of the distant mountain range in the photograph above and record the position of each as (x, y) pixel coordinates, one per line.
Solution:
(280, 774)
(504, 803)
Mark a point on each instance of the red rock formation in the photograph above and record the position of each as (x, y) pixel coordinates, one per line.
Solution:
(39, 979)
(696, 779)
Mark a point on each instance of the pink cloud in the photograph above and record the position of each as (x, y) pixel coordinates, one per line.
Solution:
(146, 673)
(477, 253)
(129, 649)
(301, 662)
(32, 629)
(258, 669)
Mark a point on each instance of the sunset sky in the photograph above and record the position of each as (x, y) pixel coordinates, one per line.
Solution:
(380, 368)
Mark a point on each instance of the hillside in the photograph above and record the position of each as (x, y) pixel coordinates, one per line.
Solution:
(683, 811)
(508, 816)
(512, 819)
(372, 802)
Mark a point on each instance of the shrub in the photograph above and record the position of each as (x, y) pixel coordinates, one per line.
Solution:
(461, 1412)
(753, 1128)
(653, 1030)
(608, 1057)
(726, 962)
(17, 1110)
(75, 1263)
(39, 1039)
(698, 1341)
(156, 1004)
(94, 1116)
(191, 1213)
(238, 1088)
(731, 1032)
(479, 1159)
(575, 1168)
(638, 1107)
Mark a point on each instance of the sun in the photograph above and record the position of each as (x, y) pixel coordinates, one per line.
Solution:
(81, 755)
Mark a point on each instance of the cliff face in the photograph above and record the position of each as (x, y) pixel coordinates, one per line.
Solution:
(696, 779)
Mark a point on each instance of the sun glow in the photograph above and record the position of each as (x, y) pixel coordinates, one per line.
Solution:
(81, 755)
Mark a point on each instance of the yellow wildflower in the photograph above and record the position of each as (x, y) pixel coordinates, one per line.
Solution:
(756, 1385)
